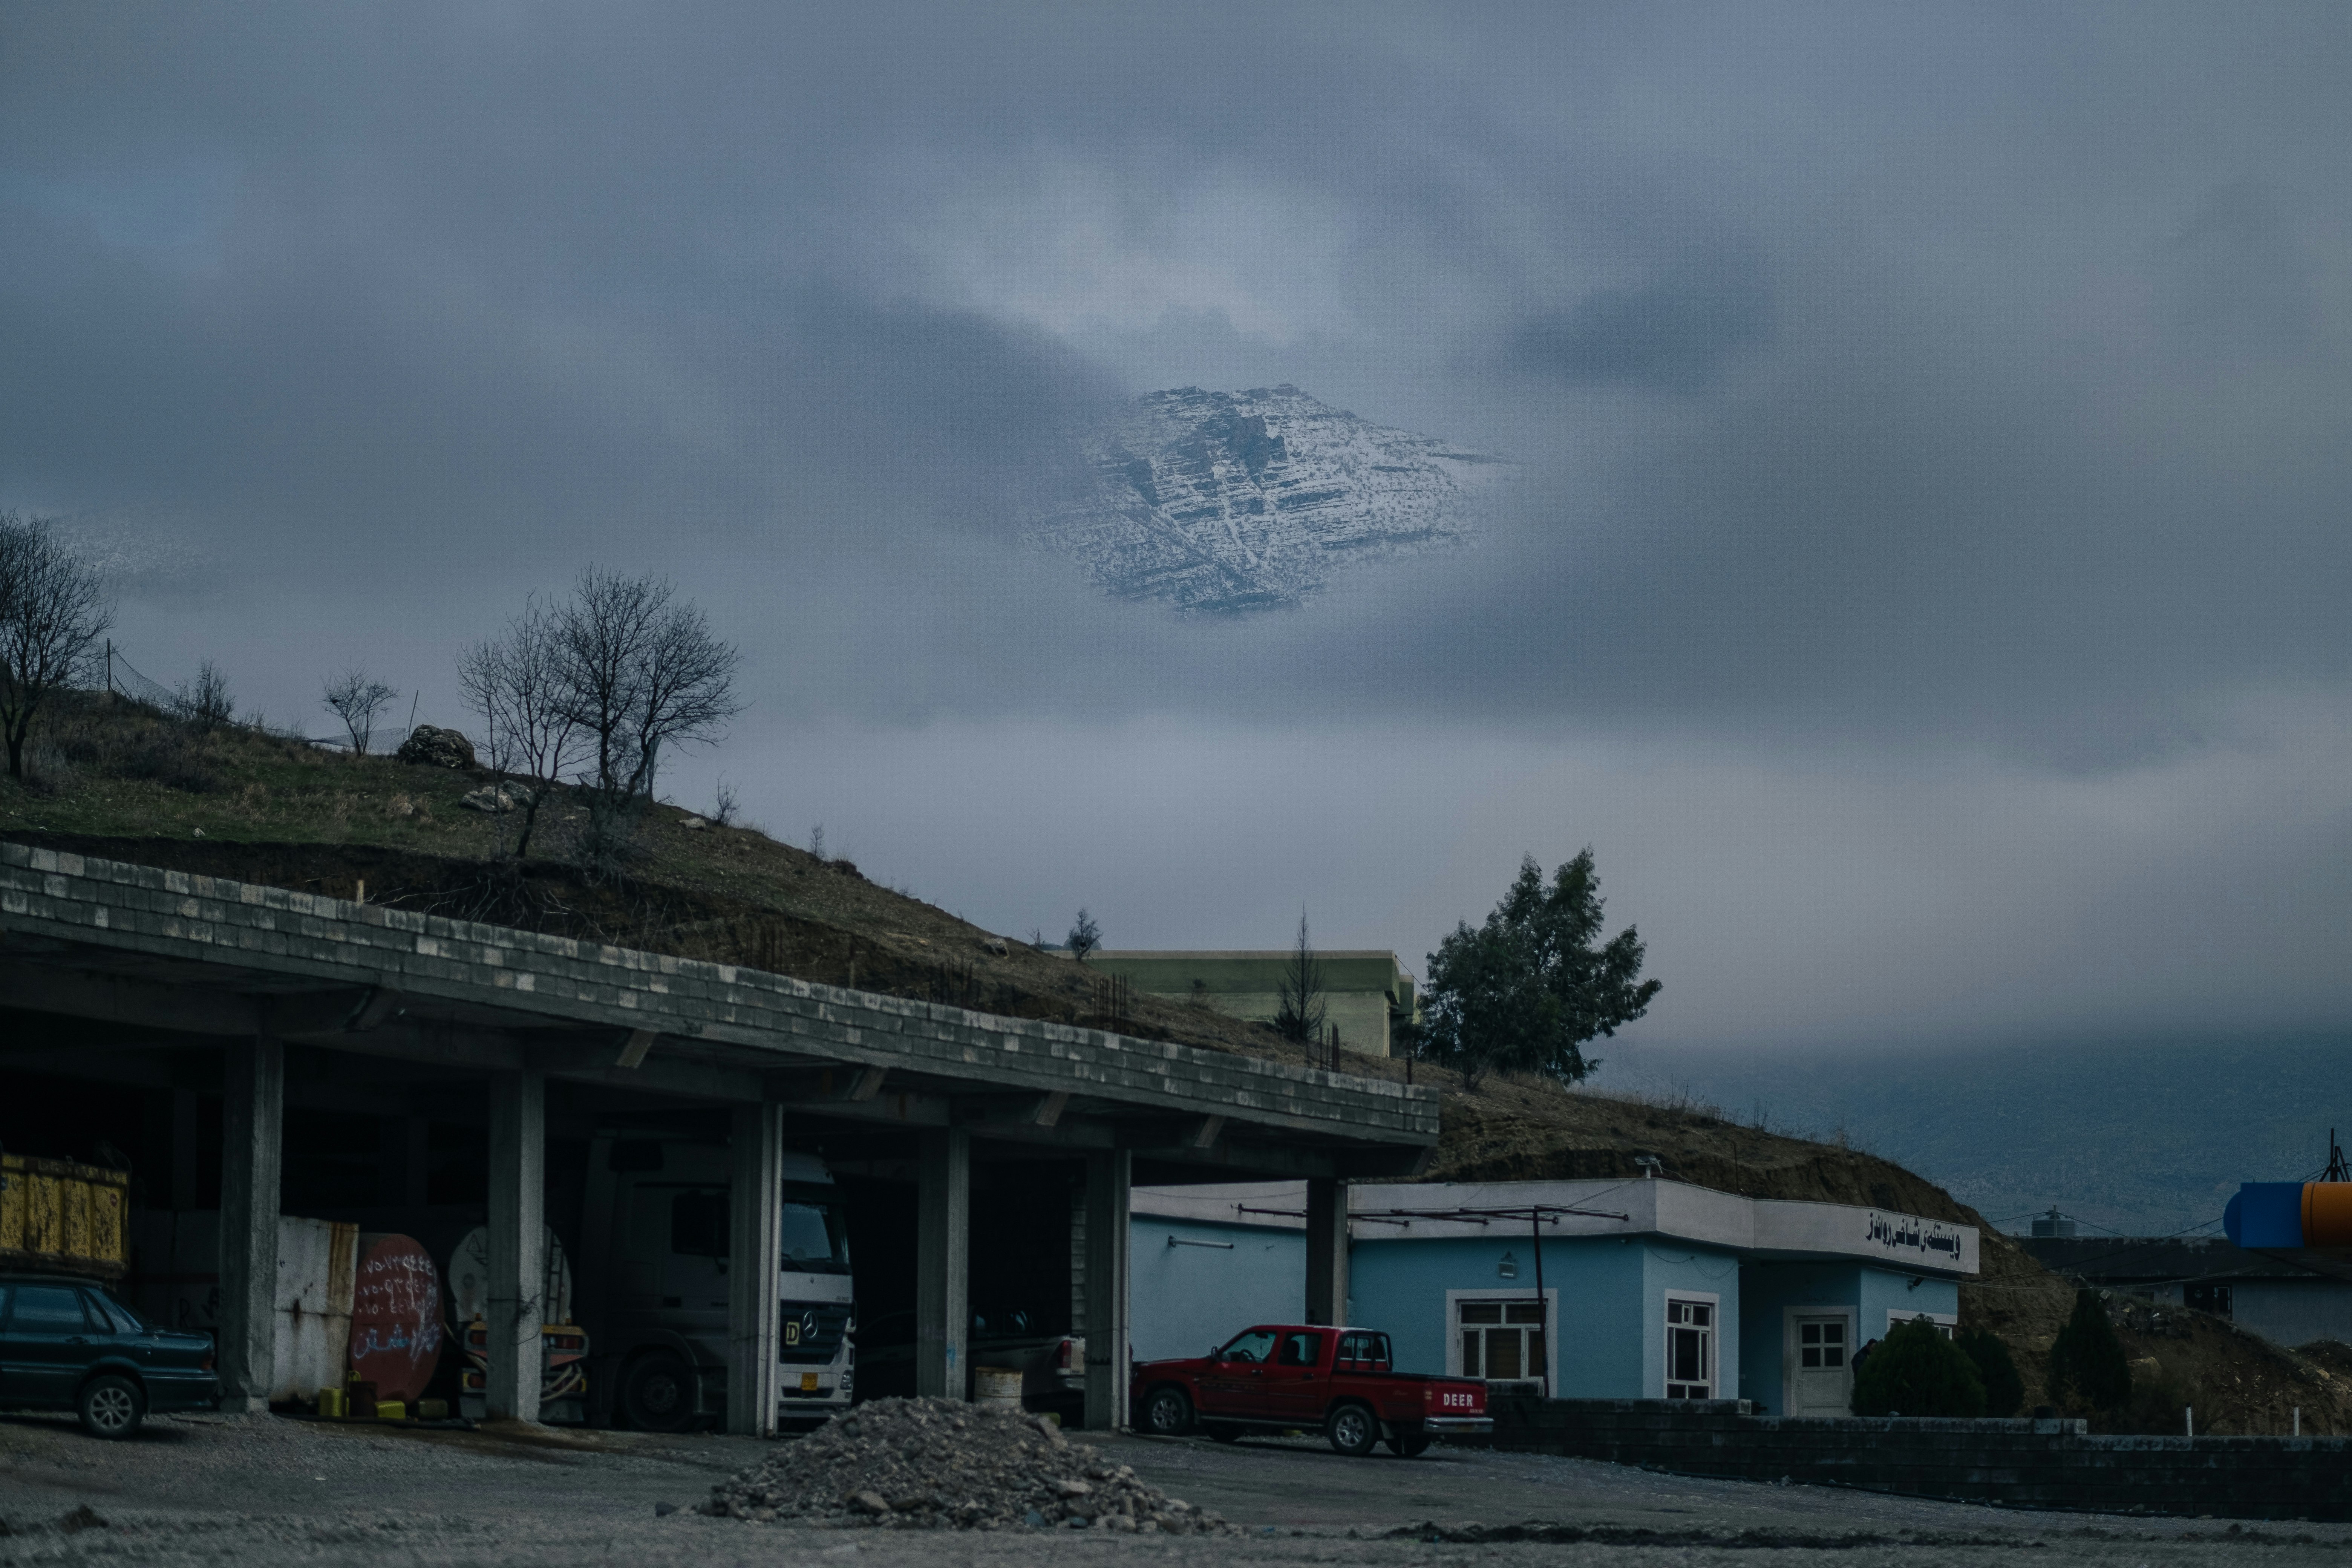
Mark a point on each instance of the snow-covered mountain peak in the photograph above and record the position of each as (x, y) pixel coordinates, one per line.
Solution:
(1223, 503)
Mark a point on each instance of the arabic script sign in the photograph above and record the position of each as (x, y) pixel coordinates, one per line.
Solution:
(1930, 1241)
(396, 1318)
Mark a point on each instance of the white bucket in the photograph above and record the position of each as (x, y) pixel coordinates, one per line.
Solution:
(997, 1385)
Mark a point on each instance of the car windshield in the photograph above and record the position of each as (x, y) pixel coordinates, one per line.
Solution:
(1255, 1345)
(126, 1322)
(814, 1240)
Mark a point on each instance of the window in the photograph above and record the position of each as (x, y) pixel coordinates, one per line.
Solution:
(1503, 1341)
(815, 1239)
(124, 1319)
(698, 1223)
(1256, 1345)
(1300, 1349)
(1690, 1349)
(1363, 1353)
(2213, 1299)
(48, 1309)
(1821, 1345)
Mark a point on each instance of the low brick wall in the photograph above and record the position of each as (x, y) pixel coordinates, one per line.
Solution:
(2021, 1464)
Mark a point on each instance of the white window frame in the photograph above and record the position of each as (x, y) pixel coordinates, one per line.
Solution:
(1790, 1352)
(1453, 1300)
(1897, 1316)
(1666, 1339)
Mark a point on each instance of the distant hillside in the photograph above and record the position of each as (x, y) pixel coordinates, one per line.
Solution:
(2140, 1137)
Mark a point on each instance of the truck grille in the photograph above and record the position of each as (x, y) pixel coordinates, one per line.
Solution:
(810, 1331)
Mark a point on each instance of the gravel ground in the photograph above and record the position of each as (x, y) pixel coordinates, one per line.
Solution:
(260, 1492)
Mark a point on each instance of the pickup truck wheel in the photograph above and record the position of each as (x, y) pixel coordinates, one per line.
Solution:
(1167, 1414)
(658, 1393)
(1353, 1430)
(1409, 1445)
(1219, 1432)
(110, 1406)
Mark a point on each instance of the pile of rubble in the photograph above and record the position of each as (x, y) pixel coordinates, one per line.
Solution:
(935, 1464)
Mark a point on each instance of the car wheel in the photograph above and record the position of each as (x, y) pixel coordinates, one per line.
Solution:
(1167, 1414)
(1353, 1430)
(1409, 1445)
(658, 1395)
(110, 1406)
(1219, 1432)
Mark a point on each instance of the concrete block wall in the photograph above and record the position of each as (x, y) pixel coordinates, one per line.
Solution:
(2047, 1464)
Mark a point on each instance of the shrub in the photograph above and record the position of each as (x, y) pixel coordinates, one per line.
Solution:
(1916, 1371)
(2086, 1363)
(2004, 1389)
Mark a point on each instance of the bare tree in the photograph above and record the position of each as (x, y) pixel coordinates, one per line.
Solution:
(515, 681)
(637, 671)
(1300, 1009)
(54, 607)
(357, 698)
(1085, 936)
(205, 702)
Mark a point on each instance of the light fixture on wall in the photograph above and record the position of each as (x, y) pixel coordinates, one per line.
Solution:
(1508, 1268)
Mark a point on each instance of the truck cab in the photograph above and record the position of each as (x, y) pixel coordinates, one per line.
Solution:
(655, 1287)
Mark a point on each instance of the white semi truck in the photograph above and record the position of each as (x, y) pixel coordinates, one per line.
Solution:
(653, 1279)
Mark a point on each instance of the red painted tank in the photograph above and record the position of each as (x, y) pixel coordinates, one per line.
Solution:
(396, 1317)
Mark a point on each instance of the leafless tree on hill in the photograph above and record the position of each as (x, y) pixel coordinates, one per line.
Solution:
(515, 681)
(205, 702)
(357, 698)
(637, 671)
(1299, 1007)
(54, 607)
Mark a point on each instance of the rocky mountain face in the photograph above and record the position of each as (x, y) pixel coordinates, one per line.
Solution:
(1224, 502)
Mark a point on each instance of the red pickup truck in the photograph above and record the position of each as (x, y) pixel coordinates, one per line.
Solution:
(1283, 1376)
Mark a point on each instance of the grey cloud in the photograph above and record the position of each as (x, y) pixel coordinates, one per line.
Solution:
(1675, 334)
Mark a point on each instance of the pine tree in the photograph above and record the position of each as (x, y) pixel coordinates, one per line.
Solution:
(2004, 1389)
(2087, 1365)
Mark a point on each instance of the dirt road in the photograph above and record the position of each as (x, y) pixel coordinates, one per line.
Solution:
(269, 1493)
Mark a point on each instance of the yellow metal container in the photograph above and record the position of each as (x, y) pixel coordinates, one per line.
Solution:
(54, 1213)
(391, 1410)
(331, 1401)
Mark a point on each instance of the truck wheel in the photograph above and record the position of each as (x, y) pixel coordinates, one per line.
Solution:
(1167, 1414)
(1353, 1430)
(1219, 1432)
(658, 1395)
(110, 1406)
(1409, 1445)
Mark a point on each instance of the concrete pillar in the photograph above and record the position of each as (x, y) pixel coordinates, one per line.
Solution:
(518, 1267)
(1109, 1173)
(1327, 1251)
(943, 1264)
(184, 1140)
(754, 1261)
(253, 1121)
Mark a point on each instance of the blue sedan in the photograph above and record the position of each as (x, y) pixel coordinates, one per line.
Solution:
(67, 1345)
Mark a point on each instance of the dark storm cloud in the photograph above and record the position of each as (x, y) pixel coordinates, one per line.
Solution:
(1675, 334)
(1921, 372)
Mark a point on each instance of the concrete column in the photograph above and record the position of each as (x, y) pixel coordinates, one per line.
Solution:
(253, 1121)
(1109, 1173)
(754, 1259)
(1327, 1251)
(184, 1138)
(943, 1264)
(518, 1265)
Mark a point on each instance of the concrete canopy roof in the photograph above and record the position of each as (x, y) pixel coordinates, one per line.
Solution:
(205, 958)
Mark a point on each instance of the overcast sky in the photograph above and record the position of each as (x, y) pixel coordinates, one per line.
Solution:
(1928, 594)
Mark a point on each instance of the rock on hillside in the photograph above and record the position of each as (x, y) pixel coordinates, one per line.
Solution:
(1221, 502)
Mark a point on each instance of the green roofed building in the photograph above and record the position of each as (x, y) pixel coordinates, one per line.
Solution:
(1366, 994)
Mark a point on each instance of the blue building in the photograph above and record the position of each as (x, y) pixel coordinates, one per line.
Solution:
(1640, 1289)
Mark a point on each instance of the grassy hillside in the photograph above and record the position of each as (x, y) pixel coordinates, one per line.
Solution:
(134, 785)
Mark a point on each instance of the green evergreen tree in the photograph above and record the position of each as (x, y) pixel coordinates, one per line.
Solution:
(1528, 989)
(2087, 1365)
(2004, 1389)
(1916, 1371)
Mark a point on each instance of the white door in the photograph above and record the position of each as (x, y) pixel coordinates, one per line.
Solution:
(1824, 1379)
